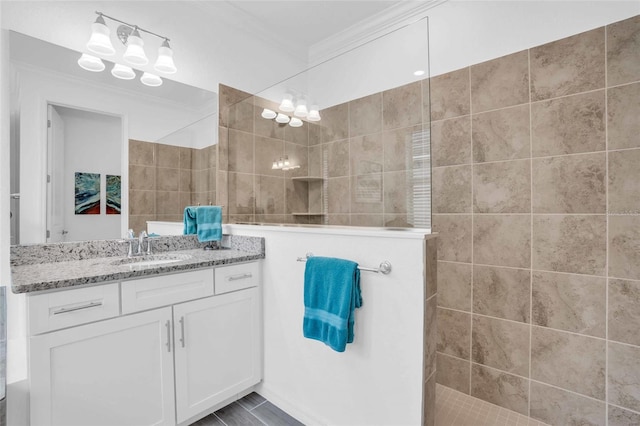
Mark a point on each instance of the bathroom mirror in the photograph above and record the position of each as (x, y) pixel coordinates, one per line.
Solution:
(46, 76)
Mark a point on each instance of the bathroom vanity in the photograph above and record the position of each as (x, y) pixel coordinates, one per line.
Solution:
(160, 340)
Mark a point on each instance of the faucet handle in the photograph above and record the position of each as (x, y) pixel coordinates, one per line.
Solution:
(131, 234)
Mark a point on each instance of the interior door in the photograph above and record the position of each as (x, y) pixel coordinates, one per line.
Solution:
(55, 177)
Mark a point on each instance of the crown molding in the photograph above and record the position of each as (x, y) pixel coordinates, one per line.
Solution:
(378, 25)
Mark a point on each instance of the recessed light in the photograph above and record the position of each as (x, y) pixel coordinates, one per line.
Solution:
(418, 73)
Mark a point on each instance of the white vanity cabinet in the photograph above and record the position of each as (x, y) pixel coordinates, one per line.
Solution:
(174, 350)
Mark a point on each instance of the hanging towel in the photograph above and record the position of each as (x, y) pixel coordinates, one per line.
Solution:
(331, 295)
(204, 221)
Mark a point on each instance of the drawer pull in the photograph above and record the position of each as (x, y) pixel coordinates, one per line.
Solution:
(182, 331)
(168, 324)
(77, 308)
(240, 276)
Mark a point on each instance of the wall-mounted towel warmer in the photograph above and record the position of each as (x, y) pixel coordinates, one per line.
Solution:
(384, 268)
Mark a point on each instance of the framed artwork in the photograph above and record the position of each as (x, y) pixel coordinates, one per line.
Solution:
(87, 198)
(113, 194)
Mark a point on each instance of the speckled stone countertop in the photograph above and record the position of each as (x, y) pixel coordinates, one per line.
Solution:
(41, 267)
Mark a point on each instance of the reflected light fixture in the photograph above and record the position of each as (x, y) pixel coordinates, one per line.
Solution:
(152, 80)
(135, 47)
(314, 113)
(295, 122)
(91, 63)
(287, 103)
(418, 73)
(283, 164)
(268, 114)
(123, 72)
(301, 109)
(282, 119)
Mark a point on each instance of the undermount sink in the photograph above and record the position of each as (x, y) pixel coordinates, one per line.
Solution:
(152, 260)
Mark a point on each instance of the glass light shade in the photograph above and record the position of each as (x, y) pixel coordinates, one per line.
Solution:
(152, 80)
(268, 114)
(295, 122)
(283, 119)
(314, 113)
(123, 72)
(280, 163)
(301, 109)
(286, 161)
(164, 63)
(287, 103)
(91, 63)
(99, 42)
(275, 165)
(135, 51)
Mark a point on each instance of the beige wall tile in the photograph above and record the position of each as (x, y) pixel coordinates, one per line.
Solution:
(624, 311)
(186, 180)
(365, 115)
(451, 188)
(168, 203)
(624, 240)
(141, 153)
(365, 154)
(450, 94)
(497, 387)
(335, 123)
(240, 153)
(570, 65)
(315, 161)
(623, 45)
(339, 194)
(268, 127)
(401, 106)
(167, 155)
(566, 243)
(339, 219)
(453, 372)
(500, 82)
(570, 184)
(269, 195)
(502, 240)
(367, 220)
(223, 148)
(139, 222)
(142, 177)
(296, 196)
(501, 292)
(168, 179)
(367, 194)
(454, 285)
(199, 159)
(621, 417)
(575, 303)
(431, 267)
(241, 194)
(568, 361)
(298, 156)
(454, 333)
(624, 181)
(623, 109)
(397, 220)
(297, 135)
(337, 158)
(558, 407)
(430, 336)
(395, 199)
(142, 202)
(502, 134)
(185, 158)
(501, 344)
(267, 150)
(240, 115)
(454, 241)
(503, 187)
(398, 148)
(451, 142)
(429, 401)
(568, 125)
(624, 376)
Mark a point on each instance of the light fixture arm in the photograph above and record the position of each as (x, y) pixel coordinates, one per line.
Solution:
(132, 26)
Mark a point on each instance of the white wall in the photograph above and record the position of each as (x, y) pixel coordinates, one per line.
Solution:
(378, 379)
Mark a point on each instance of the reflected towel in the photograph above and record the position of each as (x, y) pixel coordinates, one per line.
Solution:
(204, 221)
(331, 295)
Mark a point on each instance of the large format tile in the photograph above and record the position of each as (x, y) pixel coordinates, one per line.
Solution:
(142, 177)
(337, 154)
(266, 152)
(624, 376)
(166, 155)
(450, 94)
(453, 372)
(501, 344)
(570, 184)
(395, 201)
(430, 336)
(454, 333)
(501, 292)
(451, 141)
(398, 147)
(365, 153)
(365, 115)
(335, 123)
(623, 45)
(241, 194)
(271, 415)
(623, 110)
(338, 195)
(503, 187)
(568, 125)
(502, 134)
(570, 65)
(454, 239)
(451, 189)
(566, 243)
(454, 285)
(234, 414)
(568, 302)
(497, 387)
(502, 240)
(558, 407)
(402, 106)
(141, 153)
(624, 240)
(624, 311)
(621, 417)
(500, 82)
(429, 401)
(569, 361)
(624, 181)
(367, 193)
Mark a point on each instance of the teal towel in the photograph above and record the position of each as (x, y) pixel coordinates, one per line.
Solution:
(331, 295)
(204, 221)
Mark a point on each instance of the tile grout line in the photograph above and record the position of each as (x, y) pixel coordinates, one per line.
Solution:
(606, 260)
(530, 235)
(472, 233)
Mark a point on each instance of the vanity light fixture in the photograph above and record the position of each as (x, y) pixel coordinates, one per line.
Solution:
(91, 63)
(295, 122)
(151, 80)
(135, 48)
(123, 72)
(283, 164)
(301, 109)
(314, 113)
(268, 114)
(287, 103)
(282, 119)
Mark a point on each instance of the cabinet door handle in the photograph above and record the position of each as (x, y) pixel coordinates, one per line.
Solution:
(77, 308)
(182, 331)
(240, 276)
(168, 324)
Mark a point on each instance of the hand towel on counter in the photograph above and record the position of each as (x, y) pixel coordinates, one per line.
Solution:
(331, 295)
(204, 221)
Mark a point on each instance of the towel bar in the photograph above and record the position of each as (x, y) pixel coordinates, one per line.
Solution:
(384, 268)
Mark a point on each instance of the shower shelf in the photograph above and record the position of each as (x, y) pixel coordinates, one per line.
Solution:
(308, 179)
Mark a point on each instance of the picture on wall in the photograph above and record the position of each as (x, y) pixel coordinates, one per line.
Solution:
(87, 193)
(113, 194)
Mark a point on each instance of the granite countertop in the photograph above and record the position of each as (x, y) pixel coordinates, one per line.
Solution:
(85, 269)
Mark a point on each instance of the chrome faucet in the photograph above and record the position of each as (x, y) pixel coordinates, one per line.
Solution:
(141, 237)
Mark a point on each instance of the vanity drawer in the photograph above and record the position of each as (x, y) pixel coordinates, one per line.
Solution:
(164, 290)
(236, 277)
(68, 308)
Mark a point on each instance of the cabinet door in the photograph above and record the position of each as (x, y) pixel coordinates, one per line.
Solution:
(113, 372)
(217, 349)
